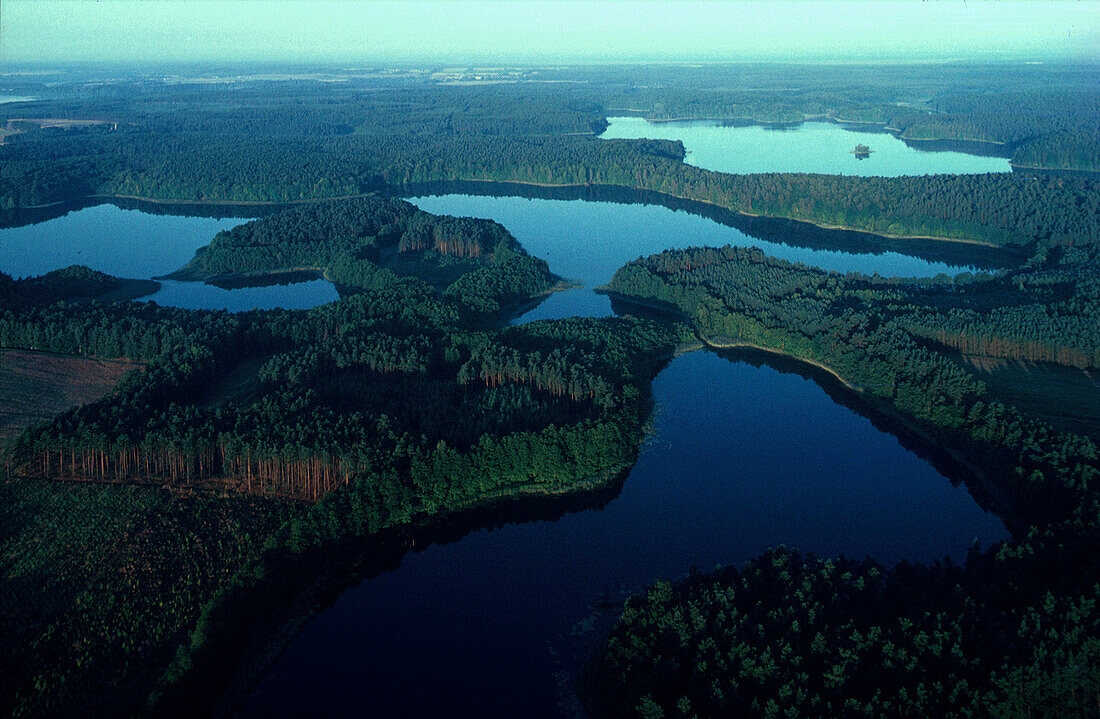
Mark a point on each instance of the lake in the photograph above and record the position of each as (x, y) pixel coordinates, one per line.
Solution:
(587, 241)
(742, 457)
(139, 245)
(818, 147)
(745, 454)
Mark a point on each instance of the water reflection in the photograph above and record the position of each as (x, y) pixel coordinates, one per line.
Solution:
(742, 457)
(146, 243)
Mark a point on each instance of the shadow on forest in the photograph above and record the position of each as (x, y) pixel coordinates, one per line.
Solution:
(252, 631)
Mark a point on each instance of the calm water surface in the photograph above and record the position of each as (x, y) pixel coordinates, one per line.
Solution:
(139, 245)
(742, 457)
(587, 241)
(819, 147)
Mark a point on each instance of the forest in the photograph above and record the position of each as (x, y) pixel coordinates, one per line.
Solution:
(155, 540)
(1012, 632)
(370, 243)
(406, 397)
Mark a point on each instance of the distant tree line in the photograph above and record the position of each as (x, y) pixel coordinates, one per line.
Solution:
(251, 153)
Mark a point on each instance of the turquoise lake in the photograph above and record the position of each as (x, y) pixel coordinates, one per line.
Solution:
(818, 147)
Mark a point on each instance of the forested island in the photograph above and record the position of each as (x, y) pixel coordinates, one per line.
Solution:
(161, 541)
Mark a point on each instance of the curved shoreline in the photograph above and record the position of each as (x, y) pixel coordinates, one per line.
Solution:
(895, 422)
(719, 344)
(393, 544)
(743, 213)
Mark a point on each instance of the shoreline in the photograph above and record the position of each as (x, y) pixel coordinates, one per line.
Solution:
(416, 533)
(873, 405)
(1073, 172)
(217, 203)
(896, 423)
(395, 190)
(182, 275)
(896, 132)
(743, 213)
(398, 188)
(719, 344)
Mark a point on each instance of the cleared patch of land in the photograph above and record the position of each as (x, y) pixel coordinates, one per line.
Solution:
(1068, 398)
(34, 386)
(17, 125)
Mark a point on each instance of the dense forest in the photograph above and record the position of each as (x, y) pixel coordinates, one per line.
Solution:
(71, 284)
(1013, 632)
(999, 209)
(279, 431)
(370, 243)
(886, 338)
(791, 635)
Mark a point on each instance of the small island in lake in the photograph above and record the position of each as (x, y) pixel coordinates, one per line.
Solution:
(862, 152)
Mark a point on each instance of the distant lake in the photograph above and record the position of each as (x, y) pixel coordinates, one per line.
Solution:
(815, 147)
(138, 245)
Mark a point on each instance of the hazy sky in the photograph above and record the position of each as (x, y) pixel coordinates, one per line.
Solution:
(579, 30)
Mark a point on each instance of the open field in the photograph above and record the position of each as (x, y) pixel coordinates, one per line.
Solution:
(34, 386)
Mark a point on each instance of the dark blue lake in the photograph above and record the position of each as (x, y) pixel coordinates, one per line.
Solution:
(741, 458)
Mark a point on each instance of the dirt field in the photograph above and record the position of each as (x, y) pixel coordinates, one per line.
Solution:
(34, 386)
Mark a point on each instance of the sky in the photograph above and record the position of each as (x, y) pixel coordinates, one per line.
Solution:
(490, 31)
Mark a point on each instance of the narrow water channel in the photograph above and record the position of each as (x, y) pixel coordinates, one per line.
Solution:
(587, 241)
